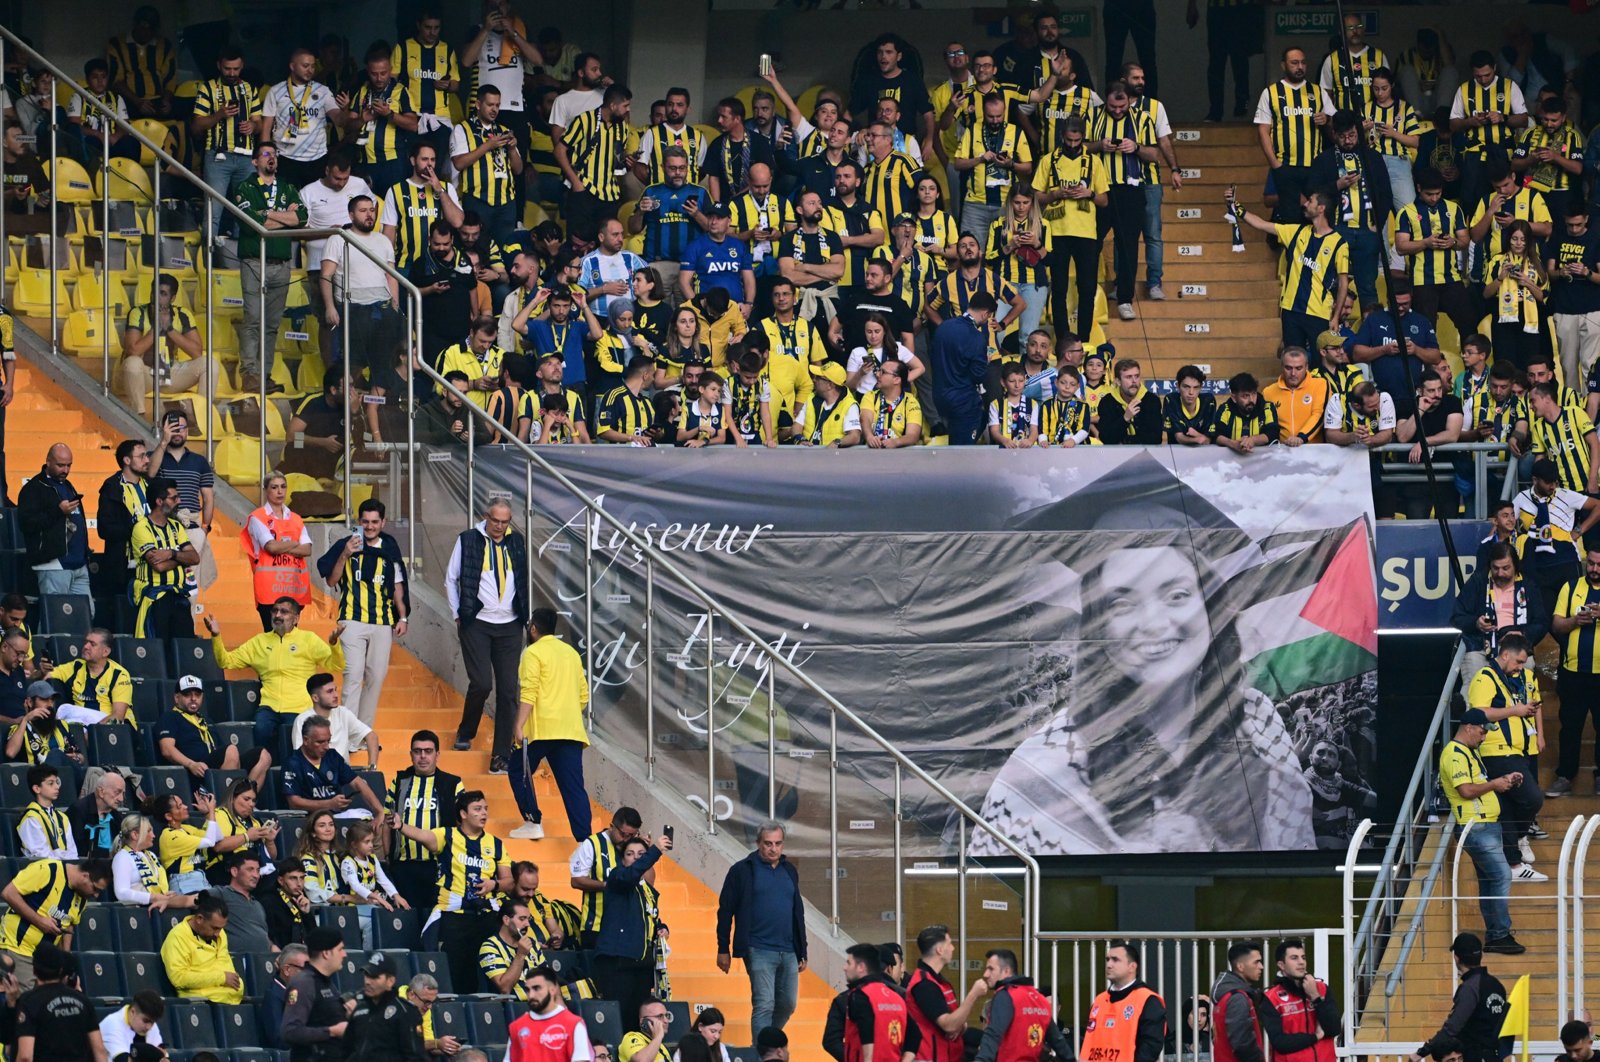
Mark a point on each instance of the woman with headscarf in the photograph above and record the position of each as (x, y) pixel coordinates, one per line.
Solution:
(618, 344)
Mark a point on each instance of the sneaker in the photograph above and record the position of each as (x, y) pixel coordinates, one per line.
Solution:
(1537, 832)
(1523, 872)
(529, 831)
(462, 744)
(1506, 945)
(1559, 788)
(1125, 311)
(497, 765)
(1526, 848)
(1155, 294)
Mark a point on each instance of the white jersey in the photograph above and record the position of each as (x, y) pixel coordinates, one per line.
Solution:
(299, 119)
(499, 64)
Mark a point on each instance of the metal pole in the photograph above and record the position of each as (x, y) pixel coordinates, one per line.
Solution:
(261, 352)
(105, 255)
(1480, 477)
(211, 347)
(1563, 972)
(5, 247)
(415, 304)
(649, 666)
(155, 298)
(961, 890)
(711, 725)
(1578, 951)
(349, 413)
(588, 607)
(527, 523)
(472, 479)
(1350, 859)
(899, 864)
(55, 198)
(833, 820)
(772, 739)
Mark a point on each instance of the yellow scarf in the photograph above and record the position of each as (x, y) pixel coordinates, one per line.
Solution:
(1515, 302)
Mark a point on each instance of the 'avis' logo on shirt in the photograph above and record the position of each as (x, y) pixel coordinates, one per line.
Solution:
(730, 266)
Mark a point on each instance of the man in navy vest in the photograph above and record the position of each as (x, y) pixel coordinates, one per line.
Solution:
(486, 583)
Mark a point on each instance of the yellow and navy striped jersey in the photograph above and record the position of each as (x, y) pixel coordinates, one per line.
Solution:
(1458, 764)
(1137, 126)
(1012, 265)
(1420, 221)
(1581, 651)
(953, 292)
(1291, 111)
(417, 207)
(891, 422)
(1566, 442)
(626, 412)
(856, 220)
(1527, 205)
(1403, 118)
(562, 433)
(911, 279)
(235, 134)
(114, 685)
(1473, 99)
(1342, 380)
(367, 586)
(1014, 417)
(380, 139)
(182, 849)
(1361, 68)
(149, 70)
(1312, 265)
(43, 886)
(1236, 424)
(1061, 105)
(423, 802)
(989, 183)
(597, 150)
(495, 957)
(322, 873)
(606, 856)
(566, 916)
(489, 178)
(53, 823)
(1178, 418)
(134, 496)
(707, 422)
(693, 142)
(542, 151)
(37, 746)
(464, 862)
(797, 339)
(775, 213)
(420, 68)
(1062, 418)
(936, 232)
(1547, 176)
(1501, 416)
(890, 184)
(231, 825)
(364, 871)
(1426, 69)
(1355, 202)
(1493, 688)
(147, 582)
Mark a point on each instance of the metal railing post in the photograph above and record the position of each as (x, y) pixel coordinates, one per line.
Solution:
(772, 739)
(961, 891)
(1580, 860)
(649, 668)
(211, 353)
(414, 304)
(1563, 942)
(5, 247)
(472, 478)
(55, 203)
(105, 256)
(527, 526)
(899, 864)
(588, 605)
(833, 822)
(1455, 879)
(1352, 853)
(711, 724)
(1480, 479)
(349, 412)
(157, 339)
(261, 352)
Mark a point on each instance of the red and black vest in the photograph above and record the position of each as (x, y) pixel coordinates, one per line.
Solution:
(1221, 1046)
(1030, 1018)
(937, 1045)
(889, 1019)
(1298, 1015)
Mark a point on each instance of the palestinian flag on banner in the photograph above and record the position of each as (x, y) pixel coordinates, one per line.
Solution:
(1320, 634)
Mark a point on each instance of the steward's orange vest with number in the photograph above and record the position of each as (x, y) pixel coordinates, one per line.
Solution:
(278, 574)
(1113, 1029)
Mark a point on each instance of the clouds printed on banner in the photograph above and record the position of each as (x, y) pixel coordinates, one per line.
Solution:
(1301, 489)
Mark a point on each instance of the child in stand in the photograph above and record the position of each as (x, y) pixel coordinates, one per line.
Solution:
(44, 829)
(364, 876)
(702, 422)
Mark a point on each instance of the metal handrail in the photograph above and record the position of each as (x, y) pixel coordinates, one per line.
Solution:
(1563, 944)
(1397, 975)
(837, 710)
(212, 199)
(1398, 855)
(1579, 860)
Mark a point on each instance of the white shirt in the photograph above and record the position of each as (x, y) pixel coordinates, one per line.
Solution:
(869, 382)
(1008, 407)
(126, 883)
(581, 863)
(574, 102)
(598, 268)
(1333, 417)
(1458, 105)
(118, 1035)
(346, 734)
(495, 607)
(327, 209)
(1158, 113)
(299, 119)
(367, 281)
(508, 78)
(578, 1051)
(260, 535)
(35, 845)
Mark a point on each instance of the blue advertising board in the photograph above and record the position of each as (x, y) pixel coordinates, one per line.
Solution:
(1414, 586)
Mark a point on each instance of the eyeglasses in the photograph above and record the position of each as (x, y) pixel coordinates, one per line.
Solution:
(954, 53)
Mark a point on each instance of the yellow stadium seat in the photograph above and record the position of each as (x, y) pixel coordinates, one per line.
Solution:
(128, 182)
(710, 132)
(308, 375)
(155, 131)
(238, 459)
(281, 374)
(94, 292)
(87, 332)
(626, 211)
(188, 285)
(188, 90)
(533, 215)
(299, 481)
(807, 100)
(69, 182)
(747, 96)
(225, 292)
(458, 113)
(31, 295)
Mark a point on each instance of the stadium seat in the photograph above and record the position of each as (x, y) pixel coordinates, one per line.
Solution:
(114, 743)
(236, 1026)
(102, 975)
(487, 1021)
(128, 182)
(155, 131)
(255, 1054)
(238, 460)
(291, 824)
(396, 929)
(450, 1019)
(14, 791)
(568, 964)
(189, 1025)
(258, 970)
(59, 648)
(96, 929)
(193, 656)
(218, 781)
(233, 734)
(64, 614)
(135, 930)
(744, 1054)
(70, 182)
(144, 658)
(603, 1019)
(433, 964)
(350, 978)
(8, 844)
(244, 697)
(151, 697)
(167, 779)
(92, 292)
(31, 295)
(345, 920)
(10, 530)
(142, 971)
(84, 333)
(681, 1018)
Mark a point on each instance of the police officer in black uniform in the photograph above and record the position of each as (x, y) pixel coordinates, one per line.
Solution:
(1478, 1010)
(315, 1019)
(383, 1027)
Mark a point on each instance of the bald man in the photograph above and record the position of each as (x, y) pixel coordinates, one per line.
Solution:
(761, 218)
(54, 530)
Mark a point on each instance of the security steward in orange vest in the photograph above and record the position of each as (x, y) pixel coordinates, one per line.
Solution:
(1128, 1021)
(868, 1021)
(1300, 1018)
(940, 1019)
(1236, 1036)
(1018, 1020)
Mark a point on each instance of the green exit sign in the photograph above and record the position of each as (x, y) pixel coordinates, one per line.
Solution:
(1304, 23)
(1078, 24)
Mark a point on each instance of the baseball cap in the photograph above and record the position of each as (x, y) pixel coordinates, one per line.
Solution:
(770, 1038)
(831, 371)
(378, 964)
(1329, 338)
(717, 210)
(901, 218)
(1473, 717)
(1467, 945)
(41, 688)
(189, 682)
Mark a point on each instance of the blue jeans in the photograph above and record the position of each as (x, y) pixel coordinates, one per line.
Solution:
(1034, 299)
(1484, 845)
(1154, 248)
(223, 175)
(774, 987)
(64, 581)
(268, 723)
(566, 763)
(1366, 251)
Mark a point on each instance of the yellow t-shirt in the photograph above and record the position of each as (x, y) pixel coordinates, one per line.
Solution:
(1071, 217)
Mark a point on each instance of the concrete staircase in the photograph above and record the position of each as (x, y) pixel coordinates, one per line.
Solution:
(413, 698)
(1221, 310)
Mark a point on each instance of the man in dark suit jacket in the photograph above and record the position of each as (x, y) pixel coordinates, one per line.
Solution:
(97, 815)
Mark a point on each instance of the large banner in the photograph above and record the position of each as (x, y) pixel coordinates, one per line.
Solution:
(1414, 571)
(1105, 650)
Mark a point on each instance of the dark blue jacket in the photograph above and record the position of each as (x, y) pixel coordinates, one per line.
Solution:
(736, 907)
(960, 353)
(622, 921)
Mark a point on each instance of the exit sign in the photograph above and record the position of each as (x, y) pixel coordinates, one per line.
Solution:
(1078, 24)
(1303, 23)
